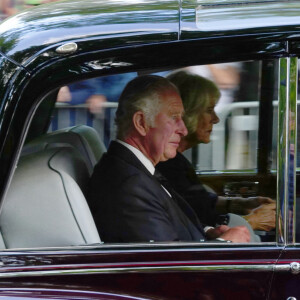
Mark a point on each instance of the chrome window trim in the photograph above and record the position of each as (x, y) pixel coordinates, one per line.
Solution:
(147, 269)
(286, 145)
(292, 138)
(141, 247)
(281, 151)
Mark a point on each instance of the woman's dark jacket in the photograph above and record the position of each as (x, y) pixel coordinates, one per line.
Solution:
(183, 178)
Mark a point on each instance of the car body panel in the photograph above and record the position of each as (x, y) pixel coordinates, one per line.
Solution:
(193, 272)
(287, 284)
(115, 37)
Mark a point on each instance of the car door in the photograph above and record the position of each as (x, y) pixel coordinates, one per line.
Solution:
(286, 283)
(174, 270)
(170, 270)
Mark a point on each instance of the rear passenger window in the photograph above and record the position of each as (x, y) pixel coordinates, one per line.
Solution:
(92, 102)
(75, 124)
(234, 140)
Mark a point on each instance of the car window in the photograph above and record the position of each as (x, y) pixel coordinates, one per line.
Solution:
(234, 141)
(80, 122)
(91, 102)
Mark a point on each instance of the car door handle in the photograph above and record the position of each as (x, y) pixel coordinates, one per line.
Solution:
(293, 267)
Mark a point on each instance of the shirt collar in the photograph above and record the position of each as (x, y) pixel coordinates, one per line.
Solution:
(141, 157)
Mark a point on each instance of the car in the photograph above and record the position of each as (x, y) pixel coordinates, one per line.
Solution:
(50, 247)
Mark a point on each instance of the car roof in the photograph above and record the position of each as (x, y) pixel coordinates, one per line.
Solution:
(117, 23)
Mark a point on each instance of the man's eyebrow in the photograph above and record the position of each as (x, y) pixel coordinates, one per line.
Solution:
(181, 113)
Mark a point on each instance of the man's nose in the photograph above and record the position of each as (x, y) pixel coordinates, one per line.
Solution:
(182, 130)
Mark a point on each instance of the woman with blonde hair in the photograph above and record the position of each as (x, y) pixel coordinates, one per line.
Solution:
(199, 96)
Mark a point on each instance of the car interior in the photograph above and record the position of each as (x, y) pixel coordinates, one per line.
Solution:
(46, 206)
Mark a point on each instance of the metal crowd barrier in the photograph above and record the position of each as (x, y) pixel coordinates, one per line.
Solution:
(233, 141)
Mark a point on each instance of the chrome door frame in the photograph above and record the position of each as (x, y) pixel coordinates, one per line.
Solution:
(286, 151)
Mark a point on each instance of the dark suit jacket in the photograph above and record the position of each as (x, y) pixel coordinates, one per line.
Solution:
(130, 205)
(181, 174)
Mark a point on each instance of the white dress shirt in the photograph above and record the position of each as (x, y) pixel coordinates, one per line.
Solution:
(143, 159)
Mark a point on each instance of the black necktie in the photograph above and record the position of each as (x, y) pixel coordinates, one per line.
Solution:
(185, 207)
(165, 183)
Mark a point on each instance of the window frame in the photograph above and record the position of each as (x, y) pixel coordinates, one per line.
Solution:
(58, 79)
(287, 143)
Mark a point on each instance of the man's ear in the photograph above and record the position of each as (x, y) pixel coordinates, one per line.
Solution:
(139, 123)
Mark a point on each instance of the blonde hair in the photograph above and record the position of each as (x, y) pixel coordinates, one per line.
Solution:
(196, 93)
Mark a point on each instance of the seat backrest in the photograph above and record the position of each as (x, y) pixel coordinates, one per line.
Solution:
(44, 206)
(82, 137)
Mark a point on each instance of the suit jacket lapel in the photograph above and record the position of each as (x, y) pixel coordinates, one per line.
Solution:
(125, 154)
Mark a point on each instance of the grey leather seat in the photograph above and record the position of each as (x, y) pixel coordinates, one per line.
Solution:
(82, 137)
(45, 206)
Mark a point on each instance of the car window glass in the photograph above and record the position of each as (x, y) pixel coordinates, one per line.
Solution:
(82, 126)
(92, 102)
(297, 211)
(234, 140)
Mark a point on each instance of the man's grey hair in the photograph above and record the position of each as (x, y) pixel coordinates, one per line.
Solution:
(143, 93)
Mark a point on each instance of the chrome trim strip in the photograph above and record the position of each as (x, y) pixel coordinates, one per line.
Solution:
(186, 268)
(292, 142)
(286, 145)
(282, 268)
(142, 248)
(282, 151)
(286, 152)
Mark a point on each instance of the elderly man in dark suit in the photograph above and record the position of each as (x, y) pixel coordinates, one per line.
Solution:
(129, 203)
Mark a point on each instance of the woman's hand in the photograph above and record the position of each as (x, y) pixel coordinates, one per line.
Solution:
(244, 206)
(263, 217)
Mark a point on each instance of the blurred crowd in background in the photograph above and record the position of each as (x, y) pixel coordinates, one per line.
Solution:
(95, 92)
(11, 7)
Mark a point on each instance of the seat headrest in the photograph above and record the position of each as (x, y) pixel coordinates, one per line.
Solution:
(82, 137)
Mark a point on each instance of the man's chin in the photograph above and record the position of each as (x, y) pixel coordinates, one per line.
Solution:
(168, 156)
(171, 155)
